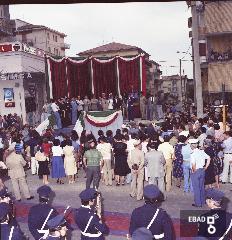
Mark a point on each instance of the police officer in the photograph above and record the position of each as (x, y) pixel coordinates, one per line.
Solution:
(152, 217)
(41, 212)
(218, 223)
(8, 231)
(87, 220)
(57, 228)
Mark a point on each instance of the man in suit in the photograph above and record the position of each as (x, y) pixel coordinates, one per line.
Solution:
(136, 164)
(155, 165)
(15, 163)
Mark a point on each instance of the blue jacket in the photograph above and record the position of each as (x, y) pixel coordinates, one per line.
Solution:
(82, 217)
(142, 216)
(37, 216)
(5, 232)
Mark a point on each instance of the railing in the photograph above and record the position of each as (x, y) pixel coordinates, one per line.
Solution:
(65, 45)
(220, 57)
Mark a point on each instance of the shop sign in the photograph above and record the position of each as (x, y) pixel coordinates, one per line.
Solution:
(9, 97)
(15, 76)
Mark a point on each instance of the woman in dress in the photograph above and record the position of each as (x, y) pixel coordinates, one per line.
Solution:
(43, 162)
(209, 172)
(70, 165)
(120, 154)
(178, 160)
(57, 162)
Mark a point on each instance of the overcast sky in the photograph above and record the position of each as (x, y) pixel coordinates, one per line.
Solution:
(160, 29)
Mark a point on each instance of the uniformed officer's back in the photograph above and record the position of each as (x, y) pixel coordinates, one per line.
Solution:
(143, 215)
(151, 217)
(39, 212)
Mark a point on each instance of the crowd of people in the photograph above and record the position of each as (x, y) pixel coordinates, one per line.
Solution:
(220, 57)
(183, 151)
(134, 105)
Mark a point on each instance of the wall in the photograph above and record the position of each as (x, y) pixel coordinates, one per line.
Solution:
(218, 17)
(220, 43)
(18, 62)
(11, 62)
(18, 97)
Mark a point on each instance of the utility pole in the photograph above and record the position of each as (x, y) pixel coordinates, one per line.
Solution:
(181, 94)
(197, 69)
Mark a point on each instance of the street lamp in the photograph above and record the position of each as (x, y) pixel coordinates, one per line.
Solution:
(181, 60)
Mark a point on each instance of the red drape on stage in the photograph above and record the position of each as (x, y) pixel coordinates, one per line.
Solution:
(78, 78)
(58, 78)
(129, 75)
(104, 77)
(144, 76)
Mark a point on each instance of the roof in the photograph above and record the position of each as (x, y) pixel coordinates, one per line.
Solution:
(111, 47)
(37, 27)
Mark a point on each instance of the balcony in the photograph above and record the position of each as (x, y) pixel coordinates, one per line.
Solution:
(64, 46)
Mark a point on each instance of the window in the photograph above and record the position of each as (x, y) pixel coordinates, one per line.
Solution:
(54, 50)
(35, 39)
(55, 38)
(49, 49)
(48, 36)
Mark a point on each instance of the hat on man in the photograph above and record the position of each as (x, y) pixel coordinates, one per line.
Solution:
(142, 233)
(44, 191)
(4, 193)
(4, 210)
(151, 191)
(193, 141)
(88, 194)
(56, 222)
(214, 194)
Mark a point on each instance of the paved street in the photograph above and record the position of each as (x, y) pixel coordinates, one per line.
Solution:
(116, 199)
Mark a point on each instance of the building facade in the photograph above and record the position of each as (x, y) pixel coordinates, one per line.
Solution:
(23, 75)
(215, 47)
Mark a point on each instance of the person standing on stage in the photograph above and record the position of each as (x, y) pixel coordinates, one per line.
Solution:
(74, 111)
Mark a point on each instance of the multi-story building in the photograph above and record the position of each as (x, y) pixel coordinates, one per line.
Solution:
(170, 86)
(214, 22)
(42, 37)
(37, 36)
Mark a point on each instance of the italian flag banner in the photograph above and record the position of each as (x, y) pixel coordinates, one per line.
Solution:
(94, 121)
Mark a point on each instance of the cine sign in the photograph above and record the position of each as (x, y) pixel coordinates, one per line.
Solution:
(6, 48)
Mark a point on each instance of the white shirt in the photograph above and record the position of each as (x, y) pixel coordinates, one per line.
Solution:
(105, 150)
(144, 146)
(198, 158)
(57, 151)
(80, 105)
(55, 107)
(227, 145)
(110, 106)
(201, 139)
(184, 133)
(167, 149)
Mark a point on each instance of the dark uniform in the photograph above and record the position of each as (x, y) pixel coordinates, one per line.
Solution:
(150, 217)
(38, 213)
(55, 224)
(8, 231)
(218, 222)
(87, 220)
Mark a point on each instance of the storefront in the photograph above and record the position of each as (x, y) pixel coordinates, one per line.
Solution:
(22, 82)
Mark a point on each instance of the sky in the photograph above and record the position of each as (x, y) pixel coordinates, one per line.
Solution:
(159, 28)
